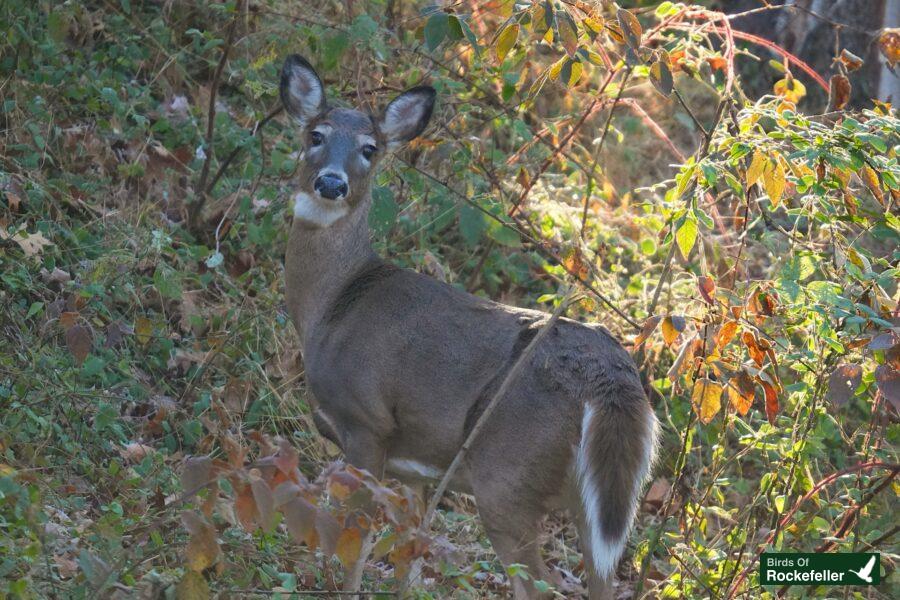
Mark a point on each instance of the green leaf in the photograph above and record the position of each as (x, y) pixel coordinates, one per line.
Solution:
(661, 77)
(384, 210)
(686, 237)
(436, 29)
(167, 282)
(506, 40)
(471, 224)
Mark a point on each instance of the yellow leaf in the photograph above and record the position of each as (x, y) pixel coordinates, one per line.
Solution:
(773, 182)
(349, 545)
(192, 587)
(506, 40)
(143, 329)
(707, 399)
(757, 166)
(203, 548)
(870, 178)
(649, 325)
(790, 89)
(726, 334)
(671, 327)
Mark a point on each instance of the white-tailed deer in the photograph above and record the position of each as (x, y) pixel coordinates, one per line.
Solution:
(400, 366)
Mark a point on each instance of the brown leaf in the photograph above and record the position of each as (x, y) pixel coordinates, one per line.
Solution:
(300, 519)
(839, 94)
(630, 27)
(262, 494)
(349, 545)
(870, 178)
(842, 382)
(195, 474)
(68, 319)
(707, 288)
(203, 548)
(889, 43)
(328, 530)
(671, 327)
(771, 402)
(850, 60)
(648, 328)
(287, 460)
(753, 347)
(888, 381)
(740, 392)
(341, 484)
(707, 399)
(79, 340)
(245, 507)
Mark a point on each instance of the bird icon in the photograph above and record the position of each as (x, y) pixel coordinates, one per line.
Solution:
(866, 572)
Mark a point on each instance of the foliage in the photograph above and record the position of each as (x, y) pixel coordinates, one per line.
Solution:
(146, 349)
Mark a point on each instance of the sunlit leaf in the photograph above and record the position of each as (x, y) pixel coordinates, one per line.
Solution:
(631, 27)
(506, 40)
(774, 182)
(349, 544)
(707, 399)
(648, 328)
(671, 327)
(686, 237)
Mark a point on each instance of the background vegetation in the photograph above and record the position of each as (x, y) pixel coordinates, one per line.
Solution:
(155, 439)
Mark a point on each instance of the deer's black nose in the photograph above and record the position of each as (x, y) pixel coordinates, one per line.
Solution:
(331, 186)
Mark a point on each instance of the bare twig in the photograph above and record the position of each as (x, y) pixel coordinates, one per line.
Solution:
(196, 207)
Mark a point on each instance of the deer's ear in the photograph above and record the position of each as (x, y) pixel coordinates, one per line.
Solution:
(407, 115)
(301, 89)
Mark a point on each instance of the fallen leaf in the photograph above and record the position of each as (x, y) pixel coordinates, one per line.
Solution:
(31, 244)
(135, 452)
(192, 587)
(79, 340)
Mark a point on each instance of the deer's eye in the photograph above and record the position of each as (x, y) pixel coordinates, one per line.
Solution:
(316, 138)
(368, 151)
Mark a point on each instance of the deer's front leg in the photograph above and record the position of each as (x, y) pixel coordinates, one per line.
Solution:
(364, 450)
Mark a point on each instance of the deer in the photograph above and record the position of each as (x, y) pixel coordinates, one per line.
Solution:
(399, 366)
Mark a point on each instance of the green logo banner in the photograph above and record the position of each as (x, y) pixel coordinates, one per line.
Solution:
(800, 568)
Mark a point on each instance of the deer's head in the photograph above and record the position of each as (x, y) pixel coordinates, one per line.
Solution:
(341, 146)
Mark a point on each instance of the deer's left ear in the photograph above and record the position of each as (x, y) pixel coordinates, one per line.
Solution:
(407, 115)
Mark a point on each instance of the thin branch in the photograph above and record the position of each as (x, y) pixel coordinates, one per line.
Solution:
(196, 207)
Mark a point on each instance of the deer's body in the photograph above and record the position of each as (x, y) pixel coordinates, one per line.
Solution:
(401, 367)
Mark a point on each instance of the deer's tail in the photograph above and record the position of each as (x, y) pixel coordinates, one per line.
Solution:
(618, 443)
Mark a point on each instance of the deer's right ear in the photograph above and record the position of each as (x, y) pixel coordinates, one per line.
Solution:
(301, 89)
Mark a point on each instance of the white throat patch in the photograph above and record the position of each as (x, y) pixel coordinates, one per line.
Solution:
(317, 211)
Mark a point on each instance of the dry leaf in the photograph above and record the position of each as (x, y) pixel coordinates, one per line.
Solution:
(300, 518)
(32, 244)
(135, 452)
(349, 545)
(839, 92)
(771, 402)
(649, 325)
(726, 333)
(888, 381)
(203, 548)
(78, 340)
(707, 288)
(740, 392)
(889, 43)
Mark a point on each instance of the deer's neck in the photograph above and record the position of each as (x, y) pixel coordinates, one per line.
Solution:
(320, 262)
